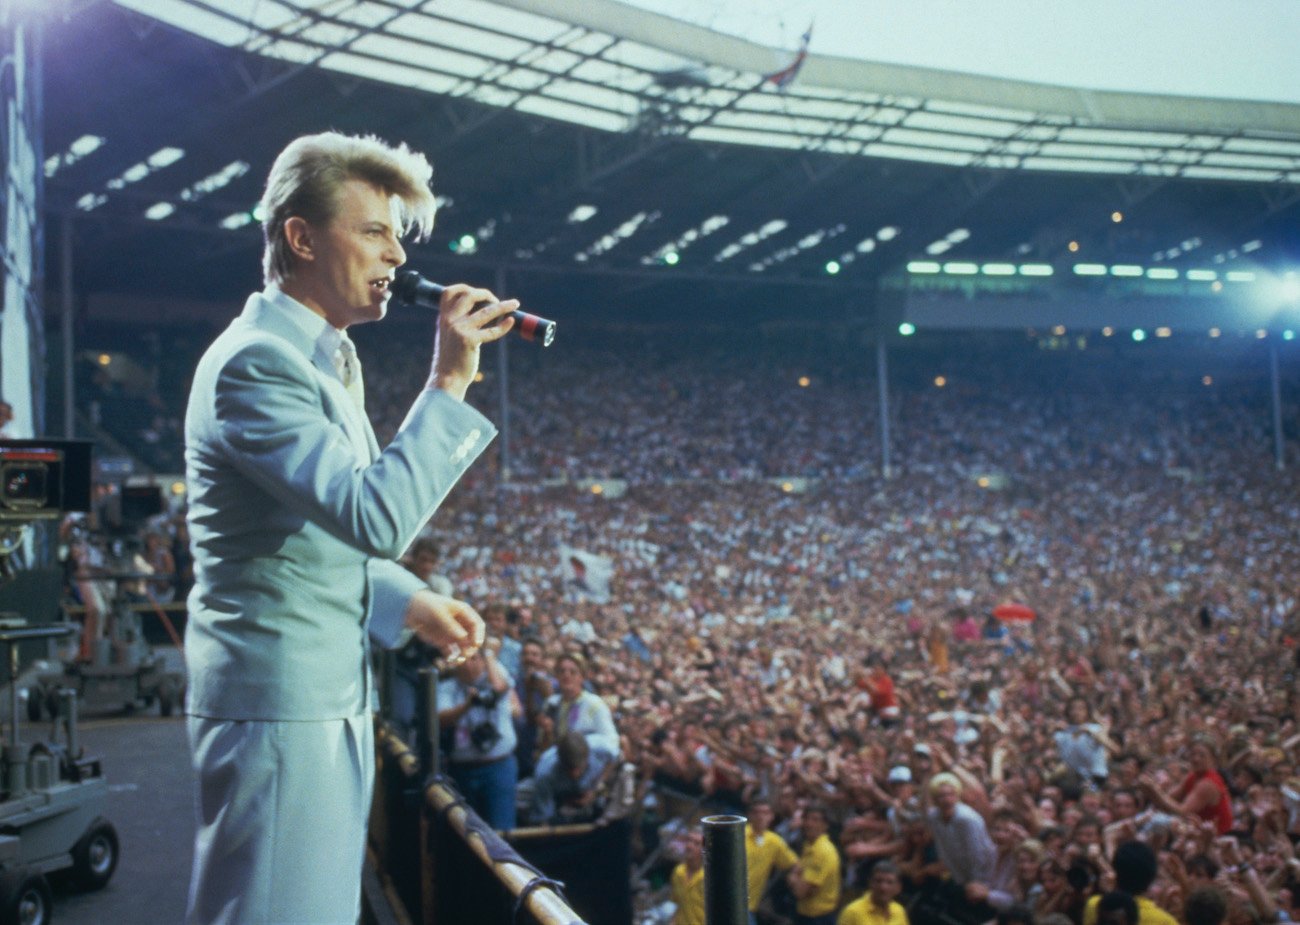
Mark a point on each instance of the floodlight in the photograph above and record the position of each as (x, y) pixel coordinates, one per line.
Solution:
(907, 329)
(1089, 269)
(165, 156)
(1139, 335)
(84, 145)
(832, 267)
(922, 266)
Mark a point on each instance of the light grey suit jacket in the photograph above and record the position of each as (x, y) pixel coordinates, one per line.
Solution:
(296, 517)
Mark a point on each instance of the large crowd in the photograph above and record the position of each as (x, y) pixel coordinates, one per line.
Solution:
(784, 625)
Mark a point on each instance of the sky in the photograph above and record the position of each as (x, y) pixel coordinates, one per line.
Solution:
(1233, 49)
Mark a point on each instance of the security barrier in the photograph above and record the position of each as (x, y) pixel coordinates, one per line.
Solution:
(437, 863)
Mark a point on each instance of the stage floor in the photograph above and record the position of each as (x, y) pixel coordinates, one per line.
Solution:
(146, 761)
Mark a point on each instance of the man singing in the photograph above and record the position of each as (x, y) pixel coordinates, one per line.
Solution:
(297, 518)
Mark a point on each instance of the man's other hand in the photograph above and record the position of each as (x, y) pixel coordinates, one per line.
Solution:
(451, 625)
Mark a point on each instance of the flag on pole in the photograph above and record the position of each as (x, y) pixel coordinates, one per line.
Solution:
(784, 77)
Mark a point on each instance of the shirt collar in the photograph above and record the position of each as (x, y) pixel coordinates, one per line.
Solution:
(324, 335)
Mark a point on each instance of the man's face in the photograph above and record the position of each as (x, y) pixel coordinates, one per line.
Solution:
(694, 853)
(425, 563)
(470, 670)
(1123, 805)
(884, 887)
(354, 255)
(945, 799)
(1026, 866)
(814, 825)
(532, 656)
(760, 817)
(569, 678)
(496, 622)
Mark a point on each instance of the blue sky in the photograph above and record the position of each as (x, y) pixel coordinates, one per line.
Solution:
(1236, 49)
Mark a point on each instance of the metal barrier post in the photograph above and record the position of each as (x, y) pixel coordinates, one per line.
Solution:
(726, 875)
(427, 722)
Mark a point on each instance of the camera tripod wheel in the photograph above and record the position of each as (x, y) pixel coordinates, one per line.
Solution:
(25, 899)
(94, 857)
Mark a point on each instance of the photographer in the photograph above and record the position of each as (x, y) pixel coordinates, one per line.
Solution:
(571, 788)
(478, 707)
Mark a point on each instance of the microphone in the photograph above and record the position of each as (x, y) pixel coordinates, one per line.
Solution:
(413, 289)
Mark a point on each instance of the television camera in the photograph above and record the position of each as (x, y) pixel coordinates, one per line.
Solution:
(52, 795)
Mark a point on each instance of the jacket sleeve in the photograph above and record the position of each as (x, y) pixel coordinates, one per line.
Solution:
(269, 403)
(391, 589)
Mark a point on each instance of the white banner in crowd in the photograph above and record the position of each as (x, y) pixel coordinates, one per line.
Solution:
(586, 575)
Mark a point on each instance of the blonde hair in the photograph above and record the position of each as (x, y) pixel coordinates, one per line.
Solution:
(305, 179)
(947, 779)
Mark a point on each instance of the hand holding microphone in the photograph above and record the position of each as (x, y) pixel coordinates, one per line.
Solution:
(413, 289)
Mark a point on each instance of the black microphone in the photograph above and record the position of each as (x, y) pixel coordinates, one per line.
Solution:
(413, 289)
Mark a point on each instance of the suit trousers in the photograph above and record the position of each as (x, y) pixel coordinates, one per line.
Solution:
(282, 812)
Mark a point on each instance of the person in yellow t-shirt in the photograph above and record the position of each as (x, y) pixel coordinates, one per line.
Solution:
(1135, 867)
(878, 906)
(688, 882)
(765, 852)
(815, 880)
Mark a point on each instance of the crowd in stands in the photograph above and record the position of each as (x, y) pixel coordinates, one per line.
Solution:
(828, 648)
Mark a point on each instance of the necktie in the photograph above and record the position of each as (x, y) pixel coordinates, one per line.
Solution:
(349, 369)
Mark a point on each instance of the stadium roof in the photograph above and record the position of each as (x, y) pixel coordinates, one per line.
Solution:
(613, 157)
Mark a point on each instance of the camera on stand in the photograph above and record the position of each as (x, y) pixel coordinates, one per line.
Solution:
(43, 479)
(54, 795)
